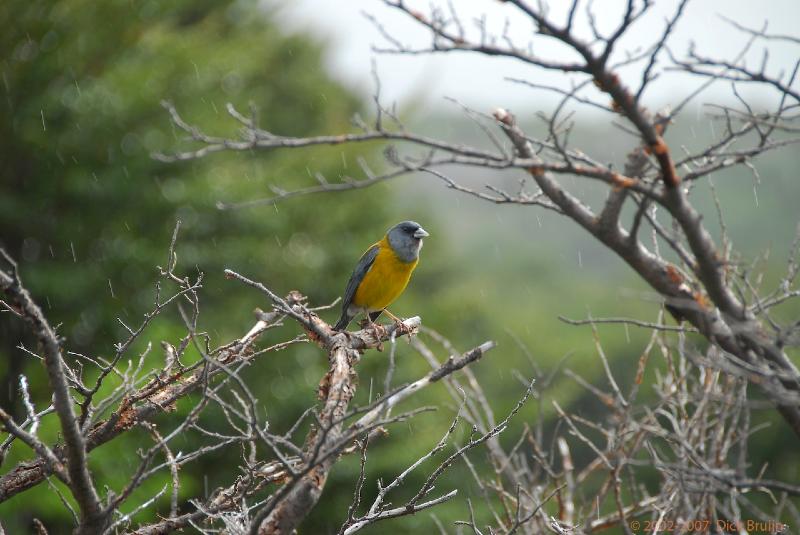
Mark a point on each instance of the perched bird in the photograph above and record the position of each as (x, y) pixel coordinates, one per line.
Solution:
(382, 273)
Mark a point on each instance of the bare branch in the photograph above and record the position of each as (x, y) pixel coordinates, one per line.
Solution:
(93, 517)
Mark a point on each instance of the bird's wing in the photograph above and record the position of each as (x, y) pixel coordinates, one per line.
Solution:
(361, 269)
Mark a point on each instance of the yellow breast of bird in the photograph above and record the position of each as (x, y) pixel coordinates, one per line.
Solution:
(385, 280)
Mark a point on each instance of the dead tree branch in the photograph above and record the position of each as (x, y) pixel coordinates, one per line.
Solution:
(703, 288)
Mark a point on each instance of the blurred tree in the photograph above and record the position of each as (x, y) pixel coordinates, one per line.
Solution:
(89, 212)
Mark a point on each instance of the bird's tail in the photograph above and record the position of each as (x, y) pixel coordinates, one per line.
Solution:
(344, 321)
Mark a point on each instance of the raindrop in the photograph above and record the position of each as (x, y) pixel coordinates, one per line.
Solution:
(755, 195)
(627, 333)
(310, 376)
(112, 289)
(154, 139)
(580, 259)
(173, 190)
(281, 389)
(232, 83)
(30, 249)
(44, 126)
(130, 144)
(74, 256)
(26, 51)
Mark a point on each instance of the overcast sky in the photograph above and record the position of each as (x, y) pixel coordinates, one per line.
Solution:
(480, 82)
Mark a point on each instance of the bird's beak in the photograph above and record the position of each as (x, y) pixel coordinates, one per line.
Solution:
(420, 233)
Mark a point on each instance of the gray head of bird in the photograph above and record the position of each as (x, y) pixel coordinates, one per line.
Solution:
(405, 240)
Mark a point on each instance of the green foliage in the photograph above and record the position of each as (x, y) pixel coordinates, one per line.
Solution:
(89, 213)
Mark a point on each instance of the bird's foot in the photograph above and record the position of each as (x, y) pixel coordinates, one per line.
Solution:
(399, 325)
(377, 331)
(392, 316)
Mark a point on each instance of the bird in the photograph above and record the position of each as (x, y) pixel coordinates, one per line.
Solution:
(382, 273)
